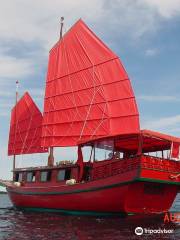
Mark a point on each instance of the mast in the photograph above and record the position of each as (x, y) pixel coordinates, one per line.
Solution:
(140, 144)
(16, 100)
(51, 150)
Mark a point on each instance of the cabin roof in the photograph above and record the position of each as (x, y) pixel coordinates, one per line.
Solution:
(159, 135)
(151, 141)
(143, 132)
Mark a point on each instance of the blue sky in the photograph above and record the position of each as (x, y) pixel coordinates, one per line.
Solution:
(144, 33)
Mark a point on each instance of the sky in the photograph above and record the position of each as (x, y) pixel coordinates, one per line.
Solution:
(145, 34)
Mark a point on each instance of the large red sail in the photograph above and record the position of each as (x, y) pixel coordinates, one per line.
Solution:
(88, 92)
(25, 128)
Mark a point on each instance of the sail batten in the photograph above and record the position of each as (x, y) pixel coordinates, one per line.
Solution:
(90, 67)
(88, 92)
(25, 128)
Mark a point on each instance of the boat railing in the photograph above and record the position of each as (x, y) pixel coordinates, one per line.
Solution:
(112, 168)
(115, 167)
(156, 163)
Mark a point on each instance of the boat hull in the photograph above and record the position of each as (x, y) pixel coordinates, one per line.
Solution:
(123, 197)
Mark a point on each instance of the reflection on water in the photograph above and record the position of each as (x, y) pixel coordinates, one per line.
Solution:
(35, 226)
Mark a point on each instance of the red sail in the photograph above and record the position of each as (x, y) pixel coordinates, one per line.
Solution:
(25, 128)
(88, 92)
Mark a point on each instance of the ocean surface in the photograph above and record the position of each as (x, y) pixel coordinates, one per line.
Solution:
(17, 225)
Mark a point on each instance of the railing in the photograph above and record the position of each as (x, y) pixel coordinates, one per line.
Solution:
(156, 163)
(116, 167)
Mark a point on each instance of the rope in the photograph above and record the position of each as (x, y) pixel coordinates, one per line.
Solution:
(174, 176)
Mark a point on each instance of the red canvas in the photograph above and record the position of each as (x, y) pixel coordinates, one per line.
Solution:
(88, 92)
(25, 128)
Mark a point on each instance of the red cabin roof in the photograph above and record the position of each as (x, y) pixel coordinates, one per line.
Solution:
(159, 135)
(151, 141)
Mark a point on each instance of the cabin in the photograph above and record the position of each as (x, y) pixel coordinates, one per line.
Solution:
(45, 174)
(102, 158)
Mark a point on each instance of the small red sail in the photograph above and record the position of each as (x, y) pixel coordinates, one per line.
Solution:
(88, 92)
(25, 128)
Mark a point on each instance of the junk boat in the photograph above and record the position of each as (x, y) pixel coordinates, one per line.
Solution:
(89, 103)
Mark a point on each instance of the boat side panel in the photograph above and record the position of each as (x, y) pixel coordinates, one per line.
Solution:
(160, 175)
(104, 200)
(150, 197)
(61, 186)
(106, 194)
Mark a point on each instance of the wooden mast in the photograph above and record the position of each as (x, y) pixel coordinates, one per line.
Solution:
(140, 143)
(16, 100)
(51, 150)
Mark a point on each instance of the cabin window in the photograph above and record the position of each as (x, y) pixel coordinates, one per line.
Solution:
(30, 177)
(104, 150)
(155, 154)
(18, 177)
(45, 176)
(61, 175)
(64, 174)
(87, 152)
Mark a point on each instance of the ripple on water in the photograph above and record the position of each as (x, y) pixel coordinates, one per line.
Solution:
(35, 226)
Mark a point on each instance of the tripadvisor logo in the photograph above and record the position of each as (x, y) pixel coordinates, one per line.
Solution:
(139, 231)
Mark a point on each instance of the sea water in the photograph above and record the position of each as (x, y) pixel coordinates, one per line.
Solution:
(17, 225)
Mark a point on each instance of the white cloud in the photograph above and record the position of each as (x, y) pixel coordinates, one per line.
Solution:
(36, 92)
(4, 112)
(151, 52)
(167, 124)
(12, 67)
(155, 98)
(5, 94)
(38, 20)
(5, 109)
(166, 8)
